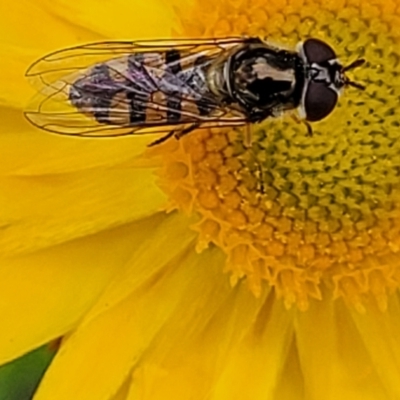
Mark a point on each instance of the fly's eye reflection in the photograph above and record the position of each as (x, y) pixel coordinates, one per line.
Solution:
(111, 89)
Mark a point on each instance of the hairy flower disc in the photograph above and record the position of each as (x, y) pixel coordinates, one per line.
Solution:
(295, 211)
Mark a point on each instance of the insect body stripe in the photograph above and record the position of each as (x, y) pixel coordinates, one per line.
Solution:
(103, 102)
(138, 106)
(174, 99)
(173, 58)
(174, 104)
(138, 98)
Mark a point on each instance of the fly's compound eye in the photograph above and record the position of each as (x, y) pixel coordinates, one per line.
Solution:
(319, 101)
(317, 51)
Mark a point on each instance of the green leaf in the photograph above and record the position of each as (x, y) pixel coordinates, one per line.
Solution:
(20, 378)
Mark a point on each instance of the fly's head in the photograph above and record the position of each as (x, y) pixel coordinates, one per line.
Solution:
(325, 78)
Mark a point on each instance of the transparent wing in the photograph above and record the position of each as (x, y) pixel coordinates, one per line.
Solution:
(121, 77)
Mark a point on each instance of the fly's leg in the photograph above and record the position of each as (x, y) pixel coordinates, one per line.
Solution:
(309, 128)
(248, 145)
(187, 130)
(302, 121)
(176, 134)
(260, 180)
(248, 137)
(162, 139)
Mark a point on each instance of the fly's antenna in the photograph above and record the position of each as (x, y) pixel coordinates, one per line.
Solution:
(354, 64)
(354, 84)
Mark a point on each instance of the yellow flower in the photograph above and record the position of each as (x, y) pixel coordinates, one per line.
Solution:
(305, 228)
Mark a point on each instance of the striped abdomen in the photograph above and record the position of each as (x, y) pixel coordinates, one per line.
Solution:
(145, 89)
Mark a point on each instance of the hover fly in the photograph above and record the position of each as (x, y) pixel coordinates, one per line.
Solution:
(122, 88)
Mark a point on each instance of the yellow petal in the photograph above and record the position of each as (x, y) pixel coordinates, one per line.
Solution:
(334, 360)
(123, 391)
(45, 210)
(290, 385)
(98, 356)
(20, 46)
(35, 26)
(43, 153)
(186, 359)
(255, 365)
(118, 19)
(15, 89)
(165, 243)
(380, 333)
(45, 294)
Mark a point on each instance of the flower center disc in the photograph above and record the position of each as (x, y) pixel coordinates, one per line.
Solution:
(298, 212)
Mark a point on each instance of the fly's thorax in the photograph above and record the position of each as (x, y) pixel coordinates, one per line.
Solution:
(266, 78)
